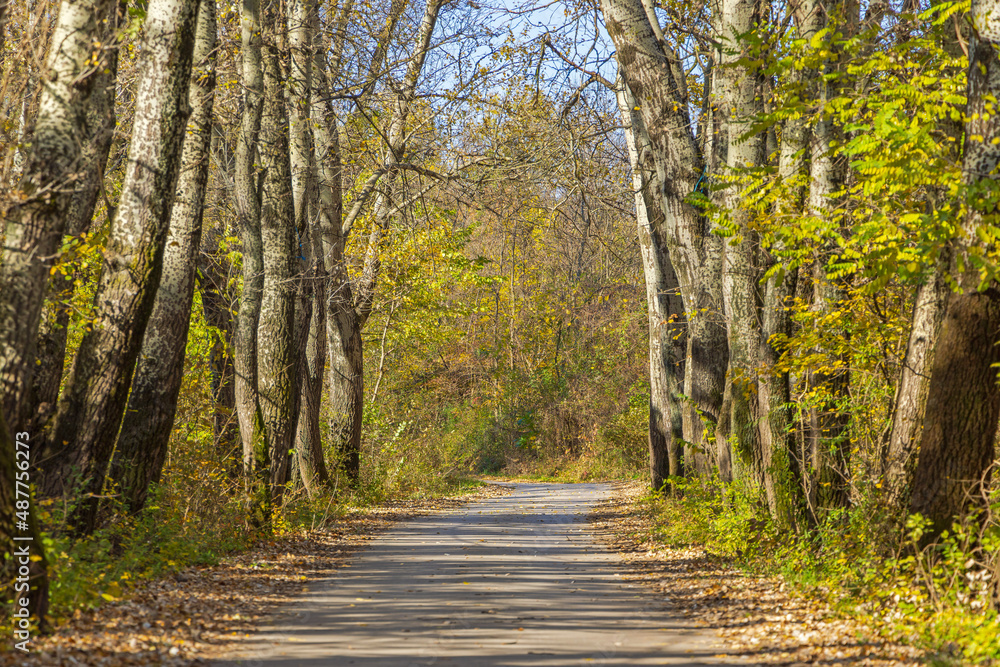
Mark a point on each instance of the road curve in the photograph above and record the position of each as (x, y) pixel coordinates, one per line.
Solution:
(510, 581)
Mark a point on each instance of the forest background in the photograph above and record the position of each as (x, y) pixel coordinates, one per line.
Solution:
(262, 260)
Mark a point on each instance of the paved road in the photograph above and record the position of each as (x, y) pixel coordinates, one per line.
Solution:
(511, 581)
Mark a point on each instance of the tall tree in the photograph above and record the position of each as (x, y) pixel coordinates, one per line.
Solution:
(305, 42)
(152, 404)
(328, 245)
(825, 440)
(349, 305)
(666, 309)
(99, 130)
(739, 103)
(35, 219)
(910, 401)
(963, 399)
(654, 74)
(277, 353)
(778, 444)
(90, 412)
(248, 212)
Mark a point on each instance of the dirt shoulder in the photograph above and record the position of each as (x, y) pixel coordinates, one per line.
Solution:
(197, 614)
(759, 617)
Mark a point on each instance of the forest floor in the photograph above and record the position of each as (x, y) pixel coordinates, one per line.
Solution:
(759, 617)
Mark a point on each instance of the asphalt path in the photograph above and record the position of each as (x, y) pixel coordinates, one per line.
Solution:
(514, 580)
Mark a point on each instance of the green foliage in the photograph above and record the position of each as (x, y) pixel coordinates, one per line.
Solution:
(939, 596)
(728, 520)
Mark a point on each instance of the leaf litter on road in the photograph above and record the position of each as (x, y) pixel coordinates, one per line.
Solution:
(203, 613)
(759, 617)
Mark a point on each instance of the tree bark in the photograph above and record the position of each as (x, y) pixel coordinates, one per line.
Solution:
(90, 412)
(149, 418)
(741, 100)
(301, 44)
(655, 76)
(667, 342)
(346, 364)
(277, 353)
(828, 486)
(311, 315)
(910, 402)
(329, 242)
(343, 344)
(99, 128)
(35, 219)
(309, 445)
(963, 399)
(248, 211)
(781, 464)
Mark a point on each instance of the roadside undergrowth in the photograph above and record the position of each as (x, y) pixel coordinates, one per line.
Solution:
(941, 598)
(183, 527)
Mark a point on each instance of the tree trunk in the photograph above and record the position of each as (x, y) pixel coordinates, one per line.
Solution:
(963, 398)
(99, 127)
(963, 405)
(248, 211)
(655, 76)
(149, 418)
(910, 402)
(667, 341)
(311, 316)
(741, 100)
(343, 342)
(35, 218)
(329, 242)
(90, 412)
(309, 445)
(779, 460)
(782, 468)
(300, 40)
(346, 363)
(829, 451)
(277, 353)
